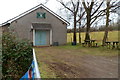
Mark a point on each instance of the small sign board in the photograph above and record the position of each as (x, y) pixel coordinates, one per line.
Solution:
(40, 15)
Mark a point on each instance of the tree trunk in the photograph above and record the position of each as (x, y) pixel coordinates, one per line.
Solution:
(74, 34)
(79, 33)
(87, 36)
(107, 24)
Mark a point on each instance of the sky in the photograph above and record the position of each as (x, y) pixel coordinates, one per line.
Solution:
(12, 8)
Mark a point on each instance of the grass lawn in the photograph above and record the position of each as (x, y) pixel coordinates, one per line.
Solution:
(77, 62)
(112, 36)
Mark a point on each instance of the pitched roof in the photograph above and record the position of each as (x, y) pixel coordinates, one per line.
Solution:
(33, 9)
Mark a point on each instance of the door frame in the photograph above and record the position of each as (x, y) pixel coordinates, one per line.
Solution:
(50, 40)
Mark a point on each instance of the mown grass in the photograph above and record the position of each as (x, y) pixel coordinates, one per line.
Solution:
(112, 36)
(97, 51)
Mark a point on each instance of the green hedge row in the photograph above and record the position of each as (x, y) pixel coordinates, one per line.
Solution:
(16, 56)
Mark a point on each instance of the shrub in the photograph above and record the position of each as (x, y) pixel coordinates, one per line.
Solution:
(16, 56)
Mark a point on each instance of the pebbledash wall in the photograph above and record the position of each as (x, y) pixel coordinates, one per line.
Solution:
(40, 25)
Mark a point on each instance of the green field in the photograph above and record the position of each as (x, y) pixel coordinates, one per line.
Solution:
(112, 36)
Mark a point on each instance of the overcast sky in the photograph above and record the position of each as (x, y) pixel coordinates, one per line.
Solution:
(12, 8)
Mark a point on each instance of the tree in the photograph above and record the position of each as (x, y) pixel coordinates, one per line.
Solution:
(79, 32)
(81, 14)
(73, 7)
(92, 14)
(110, 7)
(107, 22)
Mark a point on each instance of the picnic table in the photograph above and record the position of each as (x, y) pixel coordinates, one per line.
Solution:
(113, 44)
(90, 43)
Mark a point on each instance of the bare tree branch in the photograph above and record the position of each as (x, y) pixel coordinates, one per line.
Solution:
(97, 8)
(83, 2)
(114, 10)
(96, 17)
(99, 13)
(91, 6)
(65, 6)
(77, 7)
(73, 4)
(80, 17)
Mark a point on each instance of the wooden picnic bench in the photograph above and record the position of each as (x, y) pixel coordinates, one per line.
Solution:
(108, 44)
(89, 43)
(112, 44)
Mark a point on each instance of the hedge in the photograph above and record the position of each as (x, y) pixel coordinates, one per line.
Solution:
(16, 56)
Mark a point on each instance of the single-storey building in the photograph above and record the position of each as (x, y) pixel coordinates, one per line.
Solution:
(40, 25)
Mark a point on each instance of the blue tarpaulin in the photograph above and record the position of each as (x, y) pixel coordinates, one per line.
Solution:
(30, 74)
(33, 71)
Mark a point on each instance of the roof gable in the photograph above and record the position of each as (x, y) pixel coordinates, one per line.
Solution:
(33, 9)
